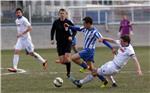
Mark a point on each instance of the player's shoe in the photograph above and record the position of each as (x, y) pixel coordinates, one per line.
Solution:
(77, 83)
(104, 84)
(12, 70)
(82, 70)
(45, 65)
(114, 85)
(68, 75)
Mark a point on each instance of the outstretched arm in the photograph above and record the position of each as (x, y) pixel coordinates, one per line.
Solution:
(138, 68)
(104, 40)
(73, 28)
(108, 39)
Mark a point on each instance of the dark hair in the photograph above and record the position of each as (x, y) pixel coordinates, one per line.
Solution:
(62, 9)
(125, 38)
(19, 9)
(88, 20)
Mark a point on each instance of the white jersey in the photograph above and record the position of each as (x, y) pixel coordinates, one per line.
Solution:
(124, 53)
(22, 25)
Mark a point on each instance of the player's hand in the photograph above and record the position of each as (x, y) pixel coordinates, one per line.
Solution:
(131, 32)
(70, 38)
(140, 73)
(100, 40)
(19, 35)
(52, 42)
(114, 51)
(66, 25)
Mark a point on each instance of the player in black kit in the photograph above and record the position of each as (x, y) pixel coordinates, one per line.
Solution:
(63, 38)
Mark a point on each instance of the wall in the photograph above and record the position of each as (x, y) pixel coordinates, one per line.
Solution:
(41, 35)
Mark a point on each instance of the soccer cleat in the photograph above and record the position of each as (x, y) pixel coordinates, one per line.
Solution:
(77, 83)
(104, 84)
(114, 85)
(12, 70)
(68, 75)
(45, 65)
(82, 70)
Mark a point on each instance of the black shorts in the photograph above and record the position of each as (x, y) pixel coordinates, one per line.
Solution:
(63, 47)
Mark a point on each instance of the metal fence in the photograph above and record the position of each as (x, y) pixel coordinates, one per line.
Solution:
(101, 14)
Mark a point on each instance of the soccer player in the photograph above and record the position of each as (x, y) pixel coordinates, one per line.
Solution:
(87, 54)
(63, 38)
(24, 41)
(125, 27)
(125, 52)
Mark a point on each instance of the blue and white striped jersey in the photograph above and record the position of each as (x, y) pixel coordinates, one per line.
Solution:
(91, 35)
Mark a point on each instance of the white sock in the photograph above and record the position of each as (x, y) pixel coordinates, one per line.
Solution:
(37, 56)
(87, 79)
(15, 61)
(112, 79)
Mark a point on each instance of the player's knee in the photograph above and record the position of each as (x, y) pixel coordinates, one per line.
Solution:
(17, 52)
(94, 72)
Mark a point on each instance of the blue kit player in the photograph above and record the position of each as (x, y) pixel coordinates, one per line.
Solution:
(87, 54)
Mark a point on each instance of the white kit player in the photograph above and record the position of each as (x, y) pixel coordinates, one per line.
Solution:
(125, 52)
(24, 41)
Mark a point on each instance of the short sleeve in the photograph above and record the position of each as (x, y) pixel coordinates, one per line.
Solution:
(26, 22)
(131, 51)
(98, 35)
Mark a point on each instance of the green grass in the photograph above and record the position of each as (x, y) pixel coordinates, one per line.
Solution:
(35, 80)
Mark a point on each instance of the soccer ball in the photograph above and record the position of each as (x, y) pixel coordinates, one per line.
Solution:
(58, 82)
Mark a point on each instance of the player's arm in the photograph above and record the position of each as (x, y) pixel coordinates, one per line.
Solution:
(73, 28)
(120, 28)
(108, 39)
(52, 33)
(137, 64)
(100, 39)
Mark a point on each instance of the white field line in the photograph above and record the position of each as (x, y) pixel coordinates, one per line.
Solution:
(10, 73)
(53, 73)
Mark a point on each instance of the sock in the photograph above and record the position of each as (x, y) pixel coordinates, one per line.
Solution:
(37, 56)
(112, 79)
(15, 61)
(84, 65)
(102, 78)
(87, 79)
(68, 68)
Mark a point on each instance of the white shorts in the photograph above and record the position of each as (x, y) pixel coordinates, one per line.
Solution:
(108, 68)
(24, 44)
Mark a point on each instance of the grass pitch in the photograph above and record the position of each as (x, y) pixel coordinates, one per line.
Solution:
(36, 80)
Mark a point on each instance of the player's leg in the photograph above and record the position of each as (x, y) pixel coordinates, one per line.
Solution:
(111, 78)
(18, 48)
(30, 48)
(67, 62)
(74, 47)
(77, 59)
(107, 69)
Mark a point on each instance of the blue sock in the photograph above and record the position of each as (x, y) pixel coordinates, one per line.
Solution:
(102, 78)
(84, 65)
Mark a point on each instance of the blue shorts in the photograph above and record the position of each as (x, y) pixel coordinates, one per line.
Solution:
(74, 41)
(87, 54)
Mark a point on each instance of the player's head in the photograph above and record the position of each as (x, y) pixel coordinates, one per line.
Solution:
(125, 17)
(125, 40)
(19, 12)
(87, 22)
(62, 14)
